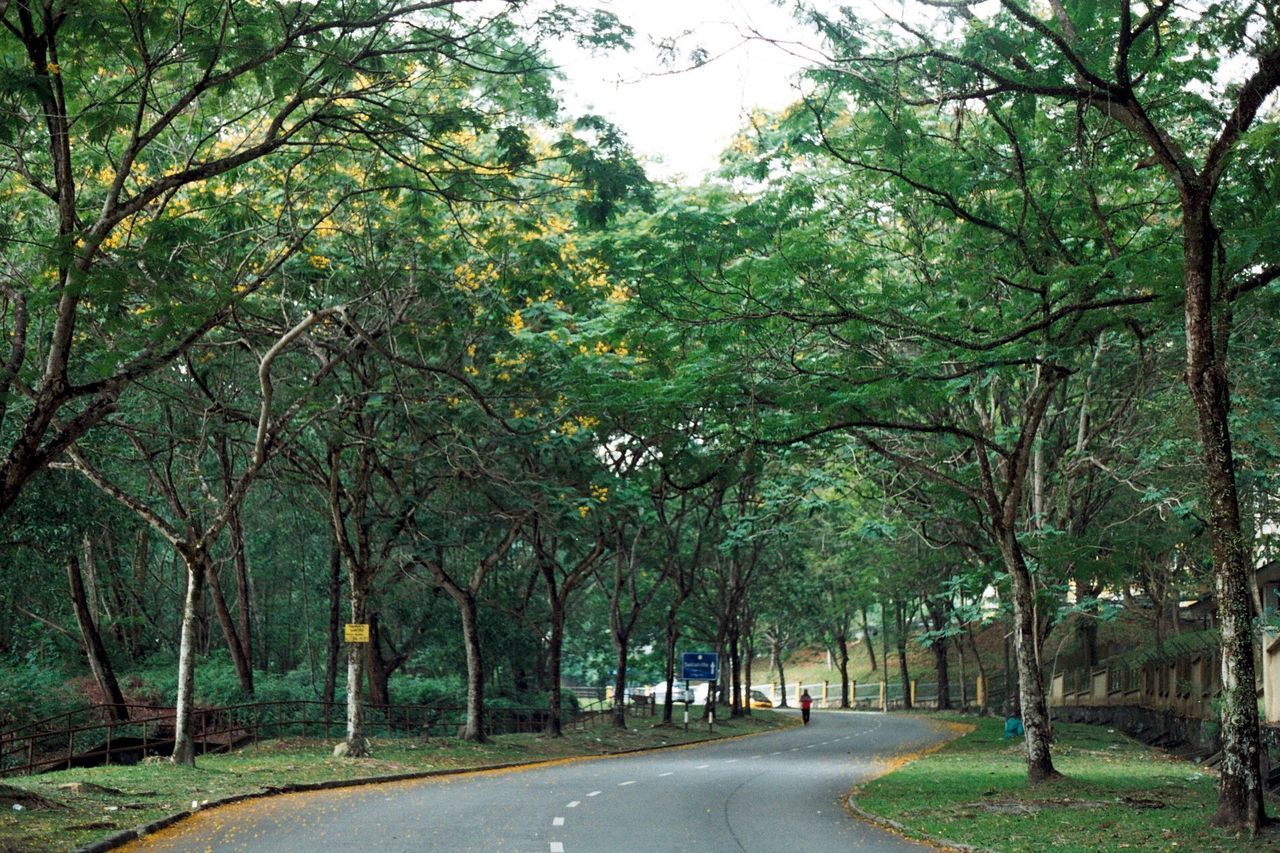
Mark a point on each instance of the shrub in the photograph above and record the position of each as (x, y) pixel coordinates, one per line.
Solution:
(29, 692)
(419, 690)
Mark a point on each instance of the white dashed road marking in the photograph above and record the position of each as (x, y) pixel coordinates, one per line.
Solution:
(731, 760)
(594, 794)
(775, 753)
(621, 784)
(702, 767)
(559, 821)
(557, 847)
(665, 774)
(573, 805)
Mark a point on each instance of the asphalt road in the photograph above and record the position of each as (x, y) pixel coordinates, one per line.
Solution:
(775, 792)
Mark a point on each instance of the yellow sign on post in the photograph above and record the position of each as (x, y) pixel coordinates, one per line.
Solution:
(357, 633)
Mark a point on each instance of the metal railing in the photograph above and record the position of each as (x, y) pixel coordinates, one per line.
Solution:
(89, 737)
(886, 695)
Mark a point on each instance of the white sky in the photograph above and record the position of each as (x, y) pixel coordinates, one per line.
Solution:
(678, 123)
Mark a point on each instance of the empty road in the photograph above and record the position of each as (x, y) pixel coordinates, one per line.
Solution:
(775, 792)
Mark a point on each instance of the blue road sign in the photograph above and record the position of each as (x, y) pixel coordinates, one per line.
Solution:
(699, 666)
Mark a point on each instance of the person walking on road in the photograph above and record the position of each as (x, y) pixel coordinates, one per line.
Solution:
(805, 701)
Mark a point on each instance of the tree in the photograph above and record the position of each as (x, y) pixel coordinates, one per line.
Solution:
(1143, 79)
(192, 536)
(130, 129)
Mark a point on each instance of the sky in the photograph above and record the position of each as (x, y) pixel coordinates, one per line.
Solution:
(677, 120)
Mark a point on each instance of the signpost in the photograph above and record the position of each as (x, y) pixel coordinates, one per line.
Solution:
(699, 666)
(356, 632)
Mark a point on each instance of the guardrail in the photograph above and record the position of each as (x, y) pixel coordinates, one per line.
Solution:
(88, 737)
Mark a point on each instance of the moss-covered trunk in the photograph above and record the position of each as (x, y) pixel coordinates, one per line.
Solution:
(1240, 792)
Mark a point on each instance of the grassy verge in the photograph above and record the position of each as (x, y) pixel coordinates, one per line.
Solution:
(1115, 794)
(71, 808)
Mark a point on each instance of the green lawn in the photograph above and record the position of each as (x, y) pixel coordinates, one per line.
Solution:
(1116, 794)
(105, 800)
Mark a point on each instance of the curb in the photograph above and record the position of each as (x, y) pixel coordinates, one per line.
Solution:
(900, 830)
(124, 836)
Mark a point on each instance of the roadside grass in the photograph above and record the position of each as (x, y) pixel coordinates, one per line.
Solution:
(86, 804)
(1116, 794)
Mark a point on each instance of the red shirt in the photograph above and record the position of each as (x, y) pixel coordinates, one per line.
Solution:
(805, 702)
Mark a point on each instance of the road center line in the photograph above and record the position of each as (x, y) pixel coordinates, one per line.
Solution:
(660, 775)
(594, 794)
(558, 821)
(622, 784)
(573, 805)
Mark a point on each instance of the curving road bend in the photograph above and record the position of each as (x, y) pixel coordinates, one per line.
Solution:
(776, 792)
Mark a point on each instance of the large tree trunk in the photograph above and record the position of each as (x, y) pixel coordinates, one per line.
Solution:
(777, 652)
(884, 643)
(842, 650)
(1240, 791)
(95, 651)
(474, 730)
(244, 596)
(866, 638)
(944, 676)
(1035, 712)
(239, 656)
(939, 616)
(555, 649)
(900, 621)
(184, 745)
(735, 672)
(356, 743)
(673, 634)
(620, 643)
